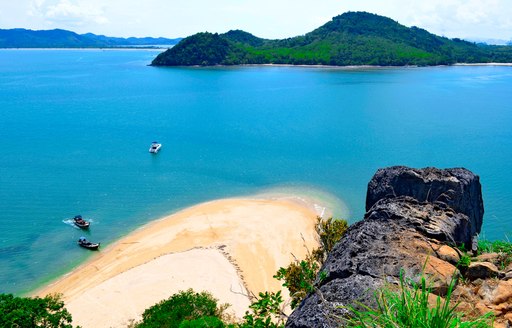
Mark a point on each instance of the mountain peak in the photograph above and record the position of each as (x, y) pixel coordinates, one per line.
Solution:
(243, 37)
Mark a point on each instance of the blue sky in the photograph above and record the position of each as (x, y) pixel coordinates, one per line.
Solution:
(482, 19)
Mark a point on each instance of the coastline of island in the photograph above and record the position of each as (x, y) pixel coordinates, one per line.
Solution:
(348, 67)
(229, 247)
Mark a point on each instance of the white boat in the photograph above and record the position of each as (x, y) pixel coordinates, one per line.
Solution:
(155, 147)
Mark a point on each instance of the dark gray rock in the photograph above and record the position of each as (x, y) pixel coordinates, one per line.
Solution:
(457, 188)
(432, 220)
(410, 214)
(481, 270)
(372, 252)
(325, 309)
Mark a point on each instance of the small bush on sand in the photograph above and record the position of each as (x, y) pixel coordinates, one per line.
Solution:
(186, 307)
(299, 276)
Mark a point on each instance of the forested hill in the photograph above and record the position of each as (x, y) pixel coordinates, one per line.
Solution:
(353, 38)
(23, 38)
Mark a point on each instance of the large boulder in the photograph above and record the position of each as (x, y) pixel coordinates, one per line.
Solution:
(458, 188)
(410, 215)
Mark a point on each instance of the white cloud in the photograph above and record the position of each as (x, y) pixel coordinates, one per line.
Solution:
(69, 12)
(458, 18)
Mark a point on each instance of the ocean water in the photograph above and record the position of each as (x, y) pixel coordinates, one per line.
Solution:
(75, 127)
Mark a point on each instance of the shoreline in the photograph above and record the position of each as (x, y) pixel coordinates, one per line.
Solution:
(154, 49)
(229, 247)
(348, 67)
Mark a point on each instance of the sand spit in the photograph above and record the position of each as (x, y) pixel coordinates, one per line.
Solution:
(230, 247)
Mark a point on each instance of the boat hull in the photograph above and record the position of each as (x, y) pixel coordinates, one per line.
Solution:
(155, 148)
(91, 246)
(83, 225)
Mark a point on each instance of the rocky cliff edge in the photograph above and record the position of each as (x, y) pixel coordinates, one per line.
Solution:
(414, 219)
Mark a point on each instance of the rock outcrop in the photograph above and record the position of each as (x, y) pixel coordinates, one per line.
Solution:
(412, 218)
(457, 189)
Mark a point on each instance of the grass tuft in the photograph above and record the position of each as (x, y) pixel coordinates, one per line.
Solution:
(410, 307)
(503, 248)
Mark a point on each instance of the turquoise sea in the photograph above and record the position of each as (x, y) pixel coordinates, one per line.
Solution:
(75, 127)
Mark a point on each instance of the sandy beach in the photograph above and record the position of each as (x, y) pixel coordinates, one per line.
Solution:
(230, 247)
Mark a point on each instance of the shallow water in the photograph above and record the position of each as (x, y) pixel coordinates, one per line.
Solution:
(75, 128)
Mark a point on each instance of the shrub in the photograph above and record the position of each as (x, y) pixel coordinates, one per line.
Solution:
(33, 312)
(203, 322)
(265, 312)
(185, 306)
(299, 276)
(329, 233)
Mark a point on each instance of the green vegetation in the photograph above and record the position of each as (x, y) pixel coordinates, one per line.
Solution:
(57, 38)
(200, 49)
(329, 233)
(410, 307)
(188, 309)
(498, 246)
(353, 38)
(299, 276)
(464, 262)
(184, 309)
(503, 248)
(265, 312)
(48, 312)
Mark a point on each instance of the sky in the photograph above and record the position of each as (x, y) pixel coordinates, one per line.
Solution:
(271, 19)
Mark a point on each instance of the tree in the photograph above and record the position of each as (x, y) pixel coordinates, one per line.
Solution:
(33, 312)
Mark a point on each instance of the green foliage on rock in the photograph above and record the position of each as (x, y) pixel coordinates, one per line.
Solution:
(33, 312)
(464, 262)
(299, 277)
(503, 248)
(353, 38)
(497, 246)
(186, 308)
(410, 307)
(329, 233)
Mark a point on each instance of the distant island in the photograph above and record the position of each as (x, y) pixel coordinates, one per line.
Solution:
(353, 38)
(23, 38)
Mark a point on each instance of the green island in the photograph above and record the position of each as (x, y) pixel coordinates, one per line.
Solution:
(59, 38)
(353, 38)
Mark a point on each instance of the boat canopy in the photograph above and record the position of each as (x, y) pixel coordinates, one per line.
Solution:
(82, 239)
